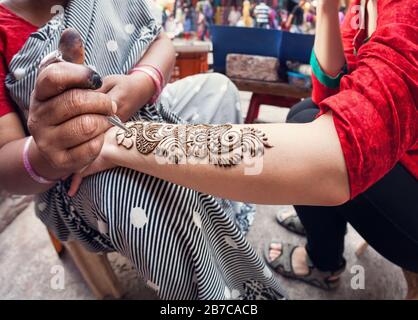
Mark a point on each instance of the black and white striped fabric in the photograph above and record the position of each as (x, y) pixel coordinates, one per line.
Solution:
(184, 244)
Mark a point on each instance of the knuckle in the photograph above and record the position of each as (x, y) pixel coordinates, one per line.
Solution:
(43, 146)
(104, 104)
(32, 124)
(72, 101)
(67, 161)
(53, 76)
(93, 148)
(87, 125)
(57, 160)
(33, 101)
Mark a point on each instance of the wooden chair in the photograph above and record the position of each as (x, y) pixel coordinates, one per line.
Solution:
(278, 94)
(95, 269)
(410, 277)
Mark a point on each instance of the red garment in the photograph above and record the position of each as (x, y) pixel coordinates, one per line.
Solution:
(375, 108)
(14, 31)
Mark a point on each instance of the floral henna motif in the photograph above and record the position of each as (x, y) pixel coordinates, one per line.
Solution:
(221, 145)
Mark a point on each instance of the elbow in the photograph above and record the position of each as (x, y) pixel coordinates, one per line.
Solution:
(168, 44)
(338, 197)
(333, 187)
(338, 191)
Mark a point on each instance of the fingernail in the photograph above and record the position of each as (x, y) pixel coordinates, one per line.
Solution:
(95, 80)
(114, 107)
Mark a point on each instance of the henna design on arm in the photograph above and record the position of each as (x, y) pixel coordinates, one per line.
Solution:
(221, 145)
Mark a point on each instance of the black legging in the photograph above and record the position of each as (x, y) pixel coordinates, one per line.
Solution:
(386, 215)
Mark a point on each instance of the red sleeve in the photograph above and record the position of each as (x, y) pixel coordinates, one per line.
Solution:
(5, 103)
(323, 86)
(375, 113)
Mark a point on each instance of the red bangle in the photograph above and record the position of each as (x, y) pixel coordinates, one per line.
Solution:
(155, 79)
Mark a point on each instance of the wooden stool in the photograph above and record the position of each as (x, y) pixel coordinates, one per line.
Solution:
(95, 269)
(410, 277)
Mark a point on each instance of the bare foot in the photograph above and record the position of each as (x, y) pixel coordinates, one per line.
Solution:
(299, 255)
(288, 213)
(298, 258)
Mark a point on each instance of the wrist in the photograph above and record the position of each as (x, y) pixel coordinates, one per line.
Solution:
(41, 165)
(137, 93)
(144, 83)
(154, 75)
(120, 155)
(110, 150)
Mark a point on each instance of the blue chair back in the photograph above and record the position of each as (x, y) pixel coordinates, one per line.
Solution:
(256, 41)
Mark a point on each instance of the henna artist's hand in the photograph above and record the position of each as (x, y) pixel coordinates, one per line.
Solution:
(67, 118)
(68, 123)
(130, 92)
(105, 161)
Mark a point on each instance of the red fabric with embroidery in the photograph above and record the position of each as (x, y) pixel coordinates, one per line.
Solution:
(375, 110)
(14, 31)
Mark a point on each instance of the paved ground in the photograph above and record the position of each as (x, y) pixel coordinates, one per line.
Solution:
(27, 260)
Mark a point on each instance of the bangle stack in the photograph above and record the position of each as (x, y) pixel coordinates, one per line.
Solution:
(29, 169)
(155, 75)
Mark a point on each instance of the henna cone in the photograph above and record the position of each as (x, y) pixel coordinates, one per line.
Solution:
(71, 49)
(71, 46)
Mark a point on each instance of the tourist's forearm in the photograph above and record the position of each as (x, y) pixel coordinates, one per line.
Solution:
(328, 42)
(297, 164)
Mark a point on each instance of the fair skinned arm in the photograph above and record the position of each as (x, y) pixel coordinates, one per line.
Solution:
(305, 166)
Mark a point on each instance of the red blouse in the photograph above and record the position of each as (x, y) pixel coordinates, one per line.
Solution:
(14, 31)
(375, 105)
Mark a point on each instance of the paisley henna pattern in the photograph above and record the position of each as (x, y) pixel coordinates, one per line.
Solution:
(221, 145)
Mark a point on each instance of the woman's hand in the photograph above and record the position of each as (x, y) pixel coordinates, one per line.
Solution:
(66, 120)
(105, 161)
(130, 92)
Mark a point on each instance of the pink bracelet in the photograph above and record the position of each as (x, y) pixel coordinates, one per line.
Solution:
(157, 70)
(154, 76)
(29, 168)
(155, 79)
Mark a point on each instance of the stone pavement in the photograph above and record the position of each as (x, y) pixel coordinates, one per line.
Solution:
(27, 262)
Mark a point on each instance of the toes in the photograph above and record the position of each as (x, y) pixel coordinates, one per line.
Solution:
(276, 246)
(274, 254)
(288, 213)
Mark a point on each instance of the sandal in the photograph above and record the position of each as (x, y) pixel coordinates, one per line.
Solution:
(291, 223)
(315, 277)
